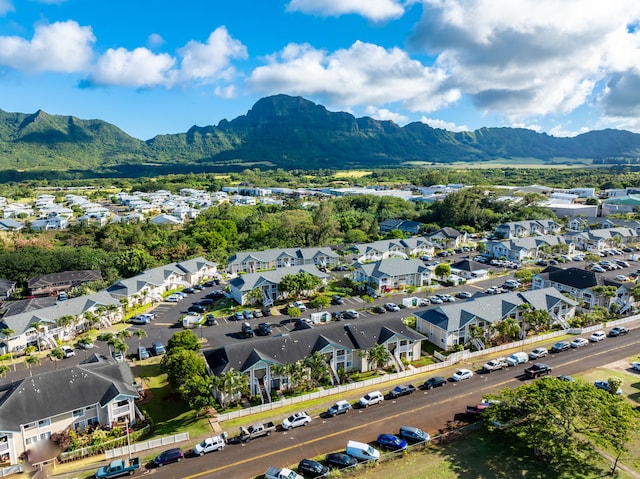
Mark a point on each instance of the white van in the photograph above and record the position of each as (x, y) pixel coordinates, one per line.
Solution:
(362, 451)
(517, 358)
(371, 398)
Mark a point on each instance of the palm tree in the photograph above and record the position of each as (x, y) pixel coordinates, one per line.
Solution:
(231, 383)
(56, 355)
(8, 332)
(31, 361)
(140, 333)
(64, 322)
(318, 368)
(377, 356)
(280, 371)
(111, 310)
(124, 334)
(90, 319)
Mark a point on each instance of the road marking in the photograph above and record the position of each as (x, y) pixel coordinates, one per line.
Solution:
(164, 324)
(493, 387)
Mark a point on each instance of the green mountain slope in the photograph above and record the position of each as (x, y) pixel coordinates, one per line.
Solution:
(281, 131)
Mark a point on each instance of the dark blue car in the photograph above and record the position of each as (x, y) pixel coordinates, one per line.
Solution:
(389, 441)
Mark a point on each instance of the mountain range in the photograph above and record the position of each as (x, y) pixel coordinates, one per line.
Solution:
(279, 131)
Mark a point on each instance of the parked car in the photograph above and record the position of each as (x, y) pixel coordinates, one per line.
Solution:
(351, 314)
(598, 269)
(210, 320)
(362, 451)
(143, 353)
(560, 346)
(435, 382)
(139, 320)
(86, 343)
(463, 294)
(401, 390)
(378, 310)
(564, 377)
(635, 366)
(117, 356)
(538, 353)
(618, 331)
(597, 336)
(257, 313)
(340, 460)
(537, 370)
(391, 307)
(237, 316)
(578, 343)
(604, 385)
(173, 298)
(210, 444)
(462, 374)
(300, 305)
(371, 398)
(158, 348)
(413, 434)
(622, 278)
(311, 468)
(246, 331)
(168, 456)
(296, 420)
(494, 365)
(67, 351)
(189, 290)
(517, 358)
(263, 329)
(435, 300)
(197, 308)
(266, 311)
(247, 314)
(390, 441)
(340, 407)
(337, 300)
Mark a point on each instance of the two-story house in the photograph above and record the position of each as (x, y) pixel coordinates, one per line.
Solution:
(255, 261)
(393, 273)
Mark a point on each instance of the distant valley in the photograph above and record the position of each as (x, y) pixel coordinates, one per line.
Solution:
(277, 132)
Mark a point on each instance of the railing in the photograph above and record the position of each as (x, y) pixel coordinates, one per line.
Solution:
(145, 445)
(7, 471)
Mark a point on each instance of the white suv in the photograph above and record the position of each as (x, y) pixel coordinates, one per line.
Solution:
(371, 398)
(67, 351)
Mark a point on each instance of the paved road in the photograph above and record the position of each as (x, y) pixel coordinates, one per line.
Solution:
(429, 410)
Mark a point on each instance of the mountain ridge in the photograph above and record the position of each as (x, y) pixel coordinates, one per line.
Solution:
(285, 132)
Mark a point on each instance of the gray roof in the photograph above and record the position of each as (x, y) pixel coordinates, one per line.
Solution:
(56, 392)
(358, 334)
(382, 246)
(455, 316)
(393, 267)
(270, 255)
(250, 281)
(51, 279)
(6, 285)
(20, 323)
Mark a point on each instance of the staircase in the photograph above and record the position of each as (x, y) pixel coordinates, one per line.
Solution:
(398, 363)
(479, 345)
(563, 322)
(334, 375)
(264, 392)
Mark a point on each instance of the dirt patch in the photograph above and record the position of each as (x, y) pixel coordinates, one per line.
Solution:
(146, 394)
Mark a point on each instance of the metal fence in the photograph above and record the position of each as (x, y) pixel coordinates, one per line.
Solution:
(446, 362)
(145, 445)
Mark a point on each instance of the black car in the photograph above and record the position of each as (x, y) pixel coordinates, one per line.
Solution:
(340, 460)
(209, 283)
(537, 370)
(246, 331)
(435, 382)
(263, 329)
(168, 456)
(216, 294)
(337, 315)
(401, 390)
(207, 302)
(378, 310)
(618, 331)
(196, 308)
(189, 290)
(310, 468)
(199, 287)
(337, 300)
(266, 311)
(211, 320)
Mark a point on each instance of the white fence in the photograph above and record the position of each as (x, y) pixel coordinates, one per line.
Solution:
(143, 446)
(446, 362)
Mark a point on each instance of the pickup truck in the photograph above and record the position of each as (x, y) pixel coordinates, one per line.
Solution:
(281, 473)
(257, 430)
(495, 365)
(118, 467)
(537, 370)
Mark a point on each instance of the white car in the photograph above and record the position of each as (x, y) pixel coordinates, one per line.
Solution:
(461, 375)
(622, 277)
(369, 399)
(599, 269)
(635, 366)
(174, 298)
(578, 343)
(392, 307)
(210, 444)
(597, 336)
(298, 304)
(435, 300)
(538, 353)
(67, 351)
(296, 420)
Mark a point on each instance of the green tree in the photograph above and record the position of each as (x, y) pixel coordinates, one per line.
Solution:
(318, 368)
(181, 364)
(140, 333)
(196, 392)
(186, 339)
(255, 296)
(56, 355)
(4, 370)
(320, 301)
(443, 271)
(230, 385)
(561, 421)
(31, 361)
(377, 356)
(507, 330)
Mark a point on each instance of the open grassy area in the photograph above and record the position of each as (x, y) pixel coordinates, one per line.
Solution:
(476, 455)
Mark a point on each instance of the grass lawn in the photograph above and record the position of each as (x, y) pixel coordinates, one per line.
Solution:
(477, 455)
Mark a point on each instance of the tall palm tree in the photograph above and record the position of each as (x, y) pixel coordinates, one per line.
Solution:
(56, 355)
(30, 361)
(8, 332)
(64, 322)
(231, 383)
(318, 368)
(140, 333)
(38, 326)
(90, 319)
(377, 356)
(112, 309)
(124, 334)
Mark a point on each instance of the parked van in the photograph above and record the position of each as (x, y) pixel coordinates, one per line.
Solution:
(362, 451)
(517, 358)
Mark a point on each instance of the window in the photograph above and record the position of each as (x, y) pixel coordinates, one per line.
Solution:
(45, 435)
(124, 402)
(30, 425)
(44, 423)
(93, 421)
(31, 440)
(78, 413)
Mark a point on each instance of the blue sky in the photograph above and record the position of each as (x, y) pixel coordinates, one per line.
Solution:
(155, 67)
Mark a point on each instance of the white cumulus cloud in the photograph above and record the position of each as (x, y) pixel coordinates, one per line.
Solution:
(375, 10)
(137, 68)
(528, 58)
(59, 47)
(384, 114)
(443, 125)
(361, 75)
